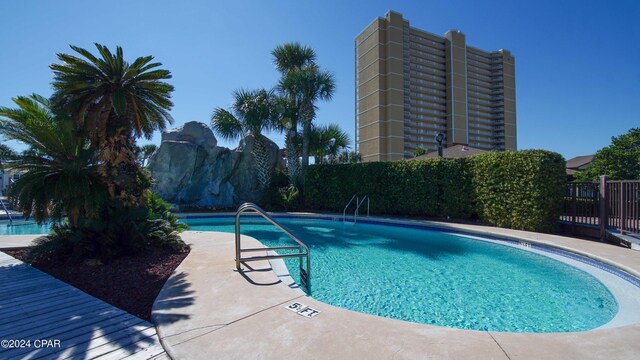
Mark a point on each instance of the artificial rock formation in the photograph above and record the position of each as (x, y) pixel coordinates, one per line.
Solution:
(189, 168)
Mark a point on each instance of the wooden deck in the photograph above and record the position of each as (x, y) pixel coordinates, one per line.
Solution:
(39, 310)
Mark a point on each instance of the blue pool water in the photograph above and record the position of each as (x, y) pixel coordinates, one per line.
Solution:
(437, 278)
(22, 227)
(430, 277)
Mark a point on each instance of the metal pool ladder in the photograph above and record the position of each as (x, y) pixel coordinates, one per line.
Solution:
(355, 215)
(7, 211)
(344, 212)
(358, 205)
(303, 249)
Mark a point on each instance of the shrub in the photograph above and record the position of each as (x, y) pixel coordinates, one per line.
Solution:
(455, 199)
(117, 232)
(520, 190)
(393, 187)
(289, 197)
(272, 199)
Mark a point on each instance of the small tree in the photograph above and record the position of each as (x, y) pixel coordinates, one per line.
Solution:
(620, 160)
(327, 141)
(419, 151)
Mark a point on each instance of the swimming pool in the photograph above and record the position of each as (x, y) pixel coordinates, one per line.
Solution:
(23, 227)
(437, 278)
(432, 277)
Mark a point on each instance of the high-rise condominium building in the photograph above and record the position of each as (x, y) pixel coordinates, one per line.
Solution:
(412, 85)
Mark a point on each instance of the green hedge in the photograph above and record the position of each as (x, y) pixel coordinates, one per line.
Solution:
(431, 187)
(520, 190)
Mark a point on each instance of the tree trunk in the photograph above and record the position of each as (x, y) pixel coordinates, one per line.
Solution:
(306, 139)
(262, 161)
(74, 216)
(293, 166)
(120, 169)
(96, 120)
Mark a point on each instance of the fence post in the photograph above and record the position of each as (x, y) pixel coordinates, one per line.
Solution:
(623, 208)
(604, 211)
(574, 208)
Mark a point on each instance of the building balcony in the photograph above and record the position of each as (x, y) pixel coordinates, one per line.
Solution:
(476, 125)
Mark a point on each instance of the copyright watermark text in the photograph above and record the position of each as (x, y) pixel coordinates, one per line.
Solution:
(29, 343)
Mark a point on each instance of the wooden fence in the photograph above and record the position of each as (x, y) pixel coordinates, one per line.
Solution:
(606, 204)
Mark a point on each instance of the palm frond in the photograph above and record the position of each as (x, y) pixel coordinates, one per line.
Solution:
(226, 125)
(59, 171)
(291, 56)
(91, 87)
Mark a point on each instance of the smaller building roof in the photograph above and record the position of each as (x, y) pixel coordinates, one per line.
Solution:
(453, 152)
(579, 161)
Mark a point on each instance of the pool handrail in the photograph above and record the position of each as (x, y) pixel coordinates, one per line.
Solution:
(344, 212)
(305, 275)
(7, 211)
(358, 205)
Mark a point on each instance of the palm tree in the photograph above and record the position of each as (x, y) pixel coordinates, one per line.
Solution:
(113, 102)
(144, 152)
(252, 112)
(327, 140)
(291, 56)
(311, 84)
(60, 174)
(6, 153)
(288, 59)
(349, 157)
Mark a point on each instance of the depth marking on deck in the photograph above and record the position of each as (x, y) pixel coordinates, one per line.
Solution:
(303, 310)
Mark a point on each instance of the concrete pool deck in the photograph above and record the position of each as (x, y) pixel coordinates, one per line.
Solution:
(207, 310)
(244, 315)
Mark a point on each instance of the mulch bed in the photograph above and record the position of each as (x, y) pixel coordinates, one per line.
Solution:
(129, 283)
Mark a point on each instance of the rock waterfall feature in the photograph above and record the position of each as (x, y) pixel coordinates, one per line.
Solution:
(189, 168)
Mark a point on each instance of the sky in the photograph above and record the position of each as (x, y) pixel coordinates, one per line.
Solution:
(577, 62)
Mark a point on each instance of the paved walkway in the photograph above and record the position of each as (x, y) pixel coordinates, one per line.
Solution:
(227, 315)
(53, 320)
